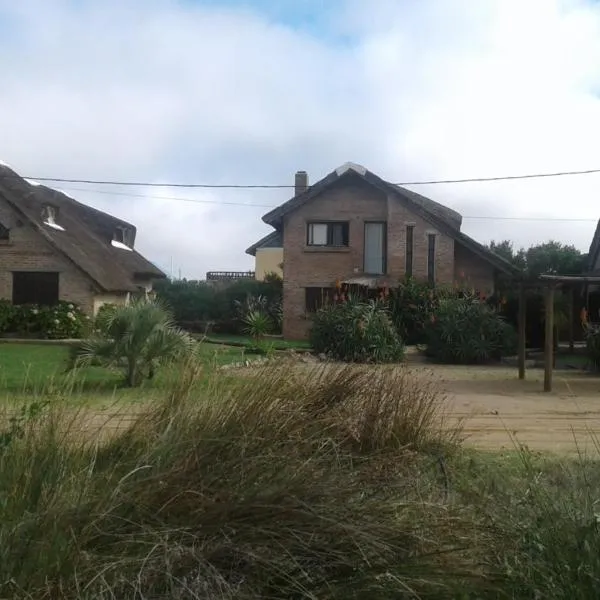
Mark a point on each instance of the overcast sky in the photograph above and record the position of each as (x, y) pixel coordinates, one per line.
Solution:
(248, 92)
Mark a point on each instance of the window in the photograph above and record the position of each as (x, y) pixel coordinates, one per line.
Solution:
(35, 287)
(431, 258)
(375, 248)
(49, 215)
(123, 238)
(316, 297)
(410, 234)
(327, 234)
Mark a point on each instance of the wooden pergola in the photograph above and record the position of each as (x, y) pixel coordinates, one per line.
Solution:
(550, 283)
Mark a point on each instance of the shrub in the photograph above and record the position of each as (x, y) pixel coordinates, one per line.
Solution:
(467, 331)
(196, 302)
(356, 331)
(592, 338)
(411, 305)
(138, 338)
(63, 321)
(7, 312)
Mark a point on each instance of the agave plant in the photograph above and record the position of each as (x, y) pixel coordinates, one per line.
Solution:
(138, 337)
(257, 324)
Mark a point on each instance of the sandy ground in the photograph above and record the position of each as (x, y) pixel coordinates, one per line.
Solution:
(496, 409)
(500, 411)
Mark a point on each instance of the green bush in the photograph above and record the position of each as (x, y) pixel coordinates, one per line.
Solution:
(7, 311)
(199, 306)
(356, 331)
(467, 331)
(411, 305)
(592, 338)
(62, 321)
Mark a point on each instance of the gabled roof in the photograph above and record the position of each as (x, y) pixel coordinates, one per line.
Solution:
(594, 248)
(273, 240)
(87, 235)
(443, 218)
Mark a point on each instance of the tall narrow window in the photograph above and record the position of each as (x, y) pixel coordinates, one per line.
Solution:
(375, 248)
(410, 230)
(431, 258)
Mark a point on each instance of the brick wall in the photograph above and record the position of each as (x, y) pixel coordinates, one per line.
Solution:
(356, 202)
(28, 251)
(472, 271)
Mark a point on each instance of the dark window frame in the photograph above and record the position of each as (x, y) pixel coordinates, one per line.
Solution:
(410, 250)
(431, 241)
(43, 288)
(385, 244)
(330, 236)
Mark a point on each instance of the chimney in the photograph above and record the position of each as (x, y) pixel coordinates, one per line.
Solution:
(301, 182)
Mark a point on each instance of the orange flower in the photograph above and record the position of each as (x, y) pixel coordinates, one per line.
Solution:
(338, 284)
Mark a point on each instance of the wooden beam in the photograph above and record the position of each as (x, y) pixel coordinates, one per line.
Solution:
(549, 341)
(522, 329)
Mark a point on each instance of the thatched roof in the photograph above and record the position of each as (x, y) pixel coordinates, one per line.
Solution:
(86, 238)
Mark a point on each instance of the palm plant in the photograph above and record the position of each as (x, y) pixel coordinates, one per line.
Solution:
(138, 337)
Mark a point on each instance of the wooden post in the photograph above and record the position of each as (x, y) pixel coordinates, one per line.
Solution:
(549, 341)
(522, 332)
(571, 320)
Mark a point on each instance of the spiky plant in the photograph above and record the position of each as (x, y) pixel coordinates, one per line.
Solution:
(138, 337)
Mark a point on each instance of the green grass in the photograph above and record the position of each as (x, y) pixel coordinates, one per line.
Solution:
(278, 343)
(38, 369)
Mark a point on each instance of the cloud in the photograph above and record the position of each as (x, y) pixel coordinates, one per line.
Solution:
(197, 92)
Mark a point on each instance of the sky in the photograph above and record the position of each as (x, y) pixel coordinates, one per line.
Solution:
(249, 92)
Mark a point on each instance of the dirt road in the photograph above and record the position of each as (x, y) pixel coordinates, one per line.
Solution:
(499, 410)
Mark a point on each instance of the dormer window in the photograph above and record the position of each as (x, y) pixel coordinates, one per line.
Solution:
(122, 238)
(49, 215)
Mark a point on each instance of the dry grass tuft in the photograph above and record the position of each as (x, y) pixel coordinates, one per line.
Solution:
(285, 484)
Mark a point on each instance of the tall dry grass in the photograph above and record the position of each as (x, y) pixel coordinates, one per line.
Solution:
(288, 483)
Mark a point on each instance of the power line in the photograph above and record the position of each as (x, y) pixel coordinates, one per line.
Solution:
(218, 202)
(152, 197)
(268, 186)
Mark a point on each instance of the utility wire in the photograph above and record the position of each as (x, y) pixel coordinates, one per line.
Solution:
(218, 202)
(266, 186)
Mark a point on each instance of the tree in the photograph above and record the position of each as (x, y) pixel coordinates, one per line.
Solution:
(138, 337)
(548, 258)
(555, 258)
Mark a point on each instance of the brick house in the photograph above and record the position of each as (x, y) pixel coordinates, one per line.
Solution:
(354, 227)
(54, 248)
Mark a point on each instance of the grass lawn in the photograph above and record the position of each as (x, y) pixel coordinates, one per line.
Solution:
(28, 370)
(241, 340)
